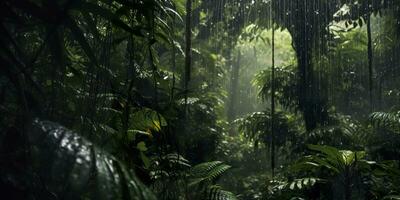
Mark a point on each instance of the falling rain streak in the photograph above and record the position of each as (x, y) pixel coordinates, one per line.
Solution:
(200, 99)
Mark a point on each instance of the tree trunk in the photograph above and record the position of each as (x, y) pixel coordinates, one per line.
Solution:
(347, 184)
(234, 88)
(173, 60)
(273, 101)
(370, 62)
(188, 48)
(311, 104)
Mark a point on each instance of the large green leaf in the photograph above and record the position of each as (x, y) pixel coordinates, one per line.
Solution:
(147, 119)
(61, 164)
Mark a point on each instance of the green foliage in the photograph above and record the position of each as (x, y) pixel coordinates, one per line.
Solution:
(145, 119)
(206, 173)
(284, 83)
(393, 197)
(331, 163)
(174, 178)
(299, 183)
(334, 159)
(342, 132)
(294, 189)
(113, 71)
(385, 138)
(215, 192)
(257, 127)
(169, 174)
(385, 180)
(386, 120)
(63, 164)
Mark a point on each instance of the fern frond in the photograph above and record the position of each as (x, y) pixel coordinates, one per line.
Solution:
(386, 120)
(295, 185)
(392, 197)
(342, 131)
(177, 159)
(207, 172)
(168, 166)
(301, 183)
(215, 192)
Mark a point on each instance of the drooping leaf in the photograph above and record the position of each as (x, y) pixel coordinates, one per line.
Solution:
(146, 118)
(69, 166)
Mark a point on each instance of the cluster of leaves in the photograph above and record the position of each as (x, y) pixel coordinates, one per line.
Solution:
(62, 164)
(257, 127)
(285, 83)
(179, 180)
(113, 70)
(105, 69)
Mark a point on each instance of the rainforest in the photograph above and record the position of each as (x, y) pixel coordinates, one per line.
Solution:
(200, 99)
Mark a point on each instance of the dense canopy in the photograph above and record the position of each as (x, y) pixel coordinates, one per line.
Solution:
(200, 99)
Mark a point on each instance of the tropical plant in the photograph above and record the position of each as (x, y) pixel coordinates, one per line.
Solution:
(386, 120)
(174, 178)
(149, 88)
(285, 86)
(295, 189)
(384, 181)
(386, 139)
(348, 166)
(55, 162)
(169, 176)
(203, 177)
(257, 128)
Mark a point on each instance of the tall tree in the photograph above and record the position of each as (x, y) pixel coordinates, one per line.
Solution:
(188, 48)
(272, 146)
(233, 97)
(370, 61)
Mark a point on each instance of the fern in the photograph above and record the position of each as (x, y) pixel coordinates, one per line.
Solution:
(300, 184)
(203, 176)
(257, 127)
(169, 166)
(176, 159)
(392, 197)
(342, 131)
(386, 120)
(215, 192)
(284, 82)
(207, 172)
(174, 179)
(169, 173)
